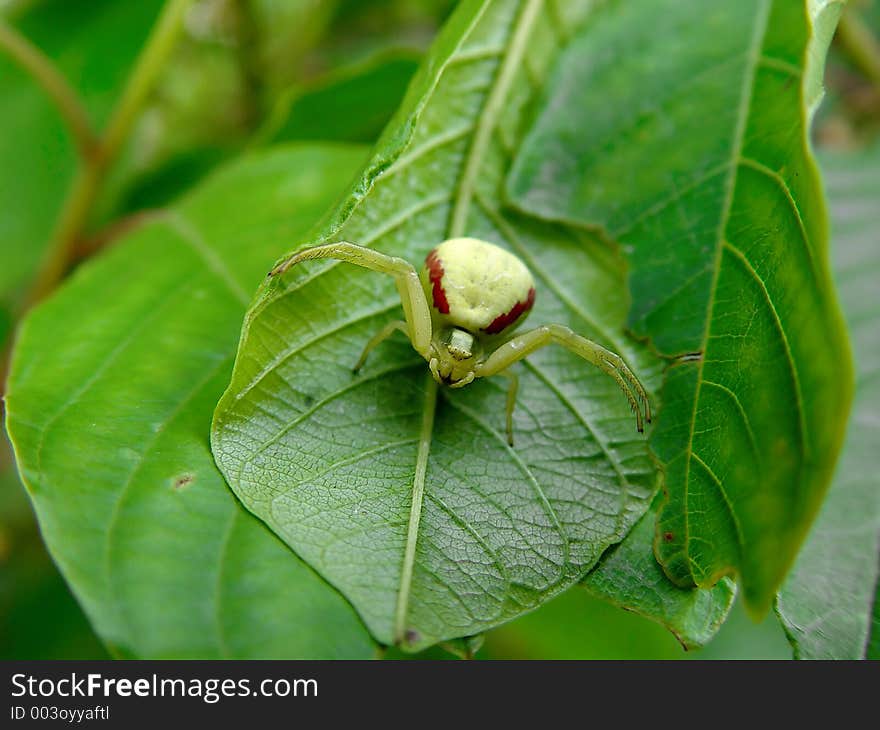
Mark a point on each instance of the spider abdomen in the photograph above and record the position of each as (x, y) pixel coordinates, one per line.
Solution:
(477, 286)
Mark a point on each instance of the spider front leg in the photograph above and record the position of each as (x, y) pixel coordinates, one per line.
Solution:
(382, 335)
(526, 343)
(511, 401)
(415, 306)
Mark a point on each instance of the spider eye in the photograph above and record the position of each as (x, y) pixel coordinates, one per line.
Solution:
(460, 344)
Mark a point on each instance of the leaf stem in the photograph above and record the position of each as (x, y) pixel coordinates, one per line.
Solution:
(859, 44)
(143, 78)
(44, 72)
(87, 181)
(489, 116)
(415, 512)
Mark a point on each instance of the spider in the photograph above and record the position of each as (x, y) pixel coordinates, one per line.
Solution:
(461, 310)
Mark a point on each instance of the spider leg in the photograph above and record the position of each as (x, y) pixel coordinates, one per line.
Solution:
(511, 400)
(382, 335)
(620, 368)
(412, 296)
(526, 343)
(466, 380)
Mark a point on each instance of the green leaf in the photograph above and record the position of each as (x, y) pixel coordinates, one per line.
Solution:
(629, 576)
(221, 83)
(362, 28)
(406, 499)
(577, 625)
(33, 597)
(681, 130)
(827, 602)
(282, 34)
(5, 323)
(113, 383)
(873, 648)
(93, 44)
(352, 104)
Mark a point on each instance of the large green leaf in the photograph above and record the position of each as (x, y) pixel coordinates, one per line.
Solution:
(826, 603)
(576, 625)
(110, 398)
(408, 499)
(33, 597)
(681, 129)
(630, 577)
(362, 28)
(353, 104)
(93, 44)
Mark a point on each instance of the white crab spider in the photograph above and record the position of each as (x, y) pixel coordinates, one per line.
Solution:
(478, 293)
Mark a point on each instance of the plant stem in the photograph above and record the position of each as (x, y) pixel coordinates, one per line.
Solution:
(72, 219)
(859, 44)
(44, 72)
(87, 182)
(143, 78)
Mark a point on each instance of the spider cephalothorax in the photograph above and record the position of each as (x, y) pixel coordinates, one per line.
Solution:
(461, 310)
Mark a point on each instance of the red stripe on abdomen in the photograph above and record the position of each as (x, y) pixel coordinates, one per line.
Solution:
(435, 273)
(503, 321)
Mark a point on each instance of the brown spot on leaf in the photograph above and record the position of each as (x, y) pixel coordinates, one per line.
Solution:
(668, 537)
(183, 480)
(411, 636)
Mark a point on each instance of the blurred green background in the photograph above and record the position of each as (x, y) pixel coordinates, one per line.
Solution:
(246, 73)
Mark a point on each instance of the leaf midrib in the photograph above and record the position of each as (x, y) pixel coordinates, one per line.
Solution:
(415, 513)
(488, 119)
(746, 93)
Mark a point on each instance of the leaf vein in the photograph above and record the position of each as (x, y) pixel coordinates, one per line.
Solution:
(218, 584)
(659, 207)
(113, 519)
(789, 356)
(489, 115)
(131, 336)
(522, 251)
(468, 527)
(191, 236)
(557, 391)
(789, 199)
(720, 486)
(745, 104)
(415, 515)
(524, 469)
(326, 400)
(301, 346)
(407, 159)
(348, 461)
(742, 413)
